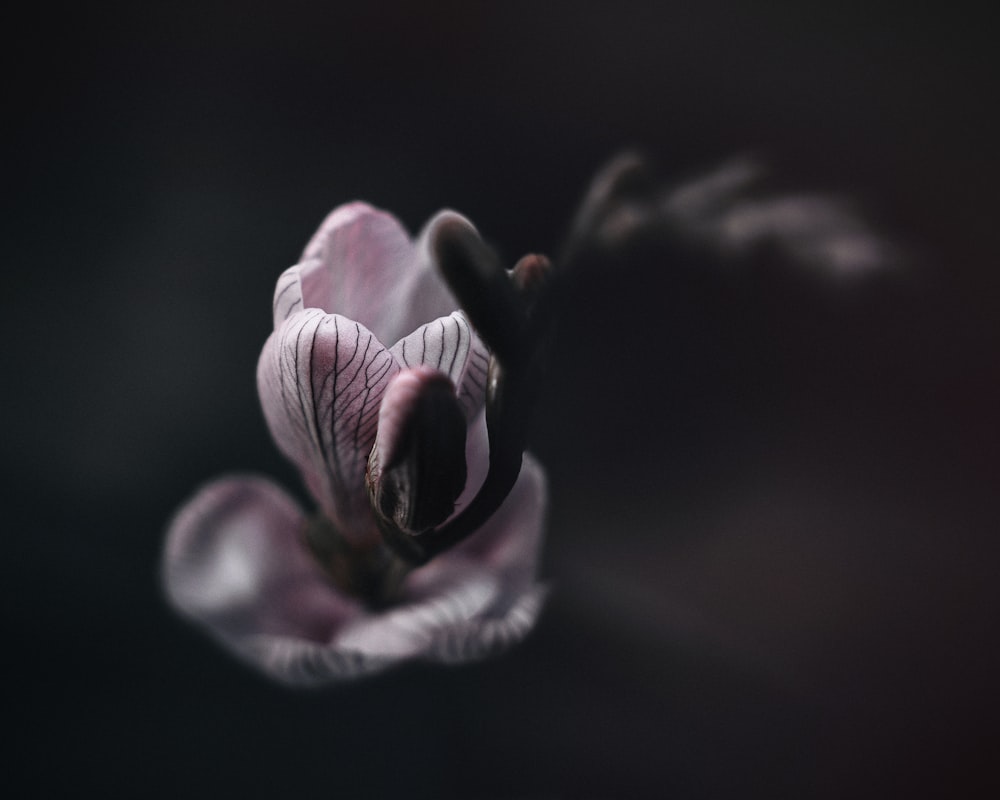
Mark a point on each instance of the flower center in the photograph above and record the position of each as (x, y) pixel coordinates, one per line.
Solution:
(370, 573)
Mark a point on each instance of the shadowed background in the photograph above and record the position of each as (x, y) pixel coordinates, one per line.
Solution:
(773, 517)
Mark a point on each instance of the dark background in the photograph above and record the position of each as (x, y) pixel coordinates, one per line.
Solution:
(773, 536)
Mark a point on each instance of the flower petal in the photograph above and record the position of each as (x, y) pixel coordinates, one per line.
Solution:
(372, 642)
(507, 548)
(452, 599)
(488, 635)
(362, 264)
(234, 563)
(450, 345)
(426, 296)
(321, 378)
(355, 264)
(417, 467)
(287, 295)
(301, 663)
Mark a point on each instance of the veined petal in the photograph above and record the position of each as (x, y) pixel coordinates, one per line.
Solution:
(429, 608)
(450, 345)
(374, 641)
(234, 563)
(287, 295)
(321, 378)
(301, 663)
(489, 634)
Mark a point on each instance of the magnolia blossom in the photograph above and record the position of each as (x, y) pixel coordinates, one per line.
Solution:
(374, 386)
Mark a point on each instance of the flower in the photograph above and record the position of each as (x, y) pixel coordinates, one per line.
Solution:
(427, 539)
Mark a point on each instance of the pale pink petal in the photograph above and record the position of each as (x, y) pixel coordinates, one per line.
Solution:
(355, 266)
(321, 378)
(302, 663)
(489, 634)
(451, 599)
(287, 295)
(235, 563)
(450, 345)
(425, 296)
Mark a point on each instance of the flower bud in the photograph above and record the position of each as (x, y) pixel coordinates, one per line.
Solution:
(482, 286)
(417, 469)
(529, 276)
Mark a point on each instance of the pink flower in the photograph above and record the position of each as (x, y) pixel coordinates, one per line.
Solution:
(427, 539)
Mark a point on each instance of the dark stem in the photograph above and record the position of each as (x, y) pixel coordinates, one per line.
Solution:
(512, 312)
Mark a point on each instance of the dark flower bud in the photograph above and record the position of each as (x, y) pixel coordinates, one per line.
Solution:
(529, 276)
(417, 469)
(483, 287)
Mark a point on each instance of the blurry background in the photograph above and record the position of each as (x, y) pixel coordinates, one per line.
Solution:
(773, 531)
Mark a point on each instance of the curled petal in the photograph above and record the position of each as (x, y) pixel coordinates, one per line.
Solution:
(302, 663)
(417, 467)
(321, 378)
(452, 600)
(490, 634)
(374, 641)
(450, 345)
(235, 564)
